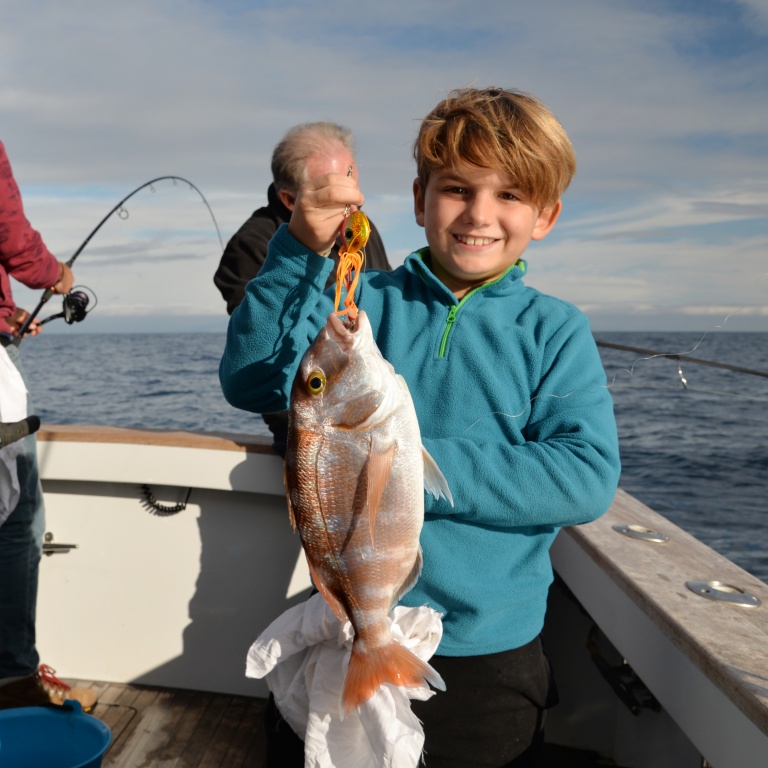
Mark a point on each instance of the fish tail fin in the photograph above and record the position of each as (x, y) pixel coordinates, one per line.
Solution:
(394, 663)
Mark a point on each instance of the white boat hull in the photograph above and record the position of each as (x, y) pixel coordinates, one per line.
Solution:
(173, 601)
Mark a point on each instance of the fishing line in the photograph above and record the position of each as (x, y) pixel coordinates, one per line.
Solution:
(680, 356)
(122, 213)
(718, 393)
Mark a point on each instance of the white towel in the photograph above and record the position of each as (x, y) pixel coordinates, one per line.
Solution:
(304, 656)
(13, 407)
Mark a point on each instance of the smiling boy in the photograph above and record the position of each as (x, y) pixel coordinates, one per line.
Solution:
(508, 387)
(478, 222)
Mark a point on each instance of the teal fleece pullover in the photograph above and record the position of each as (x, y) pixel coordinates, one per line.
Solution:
(512, 403)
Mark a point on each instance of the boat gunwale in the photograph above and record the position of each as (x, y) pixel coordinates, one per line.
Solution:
(723, 641)
(95, 433)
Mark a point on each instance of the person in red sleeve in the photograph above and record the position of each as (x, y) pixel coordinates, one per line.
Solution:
(23, 680)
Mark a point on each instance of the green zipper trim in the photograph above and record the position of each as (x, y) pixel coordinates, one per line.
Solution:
(454, 310)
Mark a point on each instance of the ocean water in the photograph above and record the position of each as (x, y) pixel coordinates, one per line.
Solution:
(698, 455)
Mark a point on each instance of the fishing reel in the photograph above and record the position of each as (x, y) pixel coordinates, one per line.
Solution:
(74, 306)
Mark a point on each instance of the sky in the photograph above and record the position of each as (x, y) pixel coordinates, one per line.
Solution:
(665, 226)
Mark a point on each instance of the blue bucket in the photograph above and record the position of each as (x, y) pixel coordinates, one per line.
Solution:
(52, 737)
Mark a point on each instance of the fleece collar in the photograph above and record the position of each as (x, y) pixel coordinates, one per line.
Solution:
(417, 263)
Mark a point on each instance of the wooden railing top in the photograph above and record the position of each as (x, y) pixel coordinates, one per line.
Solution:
(220, 441)
(728, 643)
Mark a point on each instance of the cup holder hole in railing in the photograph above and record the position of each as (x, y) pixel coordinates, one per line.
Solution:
(724, 593)
(641, 533)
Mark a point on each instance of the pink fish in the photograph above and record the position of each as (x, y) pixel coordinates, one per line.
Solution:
(355, 476)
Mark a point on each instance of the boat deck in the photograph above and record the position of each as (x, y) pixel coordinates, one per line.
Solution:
(153, 727)
(171, 728)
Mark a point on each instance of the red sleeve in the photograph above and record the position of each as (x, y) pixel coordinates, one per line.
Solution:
(23, 253)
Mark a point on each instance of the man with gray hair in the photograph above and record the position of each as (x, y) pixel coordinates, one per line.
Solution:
(306, 151)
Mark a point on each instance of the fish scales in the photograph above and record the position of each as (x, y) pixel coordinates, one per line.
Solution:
(355, 476)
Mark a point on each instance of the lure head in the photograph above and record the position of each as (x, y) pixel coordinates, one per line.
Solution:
(355, 232)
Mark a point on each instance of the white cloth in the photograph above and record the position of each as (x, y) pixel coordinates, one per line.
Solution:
(13, 407)
(304, 656)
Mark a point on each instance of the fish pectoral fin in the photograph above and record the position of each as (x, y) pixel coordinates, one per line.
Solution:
(434, 482)
(380, 458)
(330, 598)
(359, 409)
(291, 513)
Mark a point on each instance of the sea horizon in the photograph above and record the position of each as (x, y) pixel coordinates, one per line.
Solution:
(160, 325)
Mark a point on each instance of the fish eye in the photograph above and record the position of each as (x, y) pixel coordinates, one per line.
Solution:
(316, 382)
(349, 233)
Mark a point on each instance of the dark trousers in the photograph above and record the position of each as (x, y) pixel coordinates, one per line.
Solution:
(491, 714)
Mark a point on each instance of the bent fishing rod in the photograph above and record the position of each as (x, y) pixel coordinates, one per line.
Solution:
(75, 302)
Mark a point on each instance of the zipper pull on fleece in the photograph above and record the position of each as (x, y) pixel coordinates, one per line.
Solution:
(452, 312)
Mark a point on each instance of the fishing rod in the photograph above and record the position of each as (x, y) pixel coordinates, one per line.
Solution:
(75, 309)
(682, 358)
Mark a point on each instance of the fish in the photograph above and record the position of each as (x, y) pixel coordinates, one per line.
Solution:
(355, 474)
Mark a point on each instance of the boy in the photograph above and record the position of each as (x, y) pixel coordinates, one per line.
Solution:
(508, 387)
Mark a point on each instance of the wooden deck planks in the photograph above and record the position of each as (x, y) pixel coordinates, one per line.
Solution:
(167, 728)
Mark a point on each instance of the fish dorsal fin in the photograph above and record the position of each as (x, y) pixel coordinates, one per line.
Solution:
(330, 598)
(434, 481)
(380, 457)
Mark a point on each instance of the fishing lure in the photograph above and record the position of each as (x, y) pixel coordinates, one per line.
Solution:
(355, 231)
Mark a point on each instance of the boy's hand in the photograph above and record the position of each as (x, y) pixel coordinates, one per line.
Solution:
(320, 209)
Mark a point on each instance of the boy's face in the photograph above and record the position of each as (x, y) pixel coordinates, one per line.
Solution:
(478, 223)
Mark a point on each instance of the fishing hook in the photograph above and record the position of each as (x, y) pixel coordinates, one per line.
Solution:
(123, 214)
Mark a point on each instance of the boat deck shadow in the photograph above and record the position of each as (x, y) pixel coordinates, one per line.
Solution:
(247, 563)
(154, 726)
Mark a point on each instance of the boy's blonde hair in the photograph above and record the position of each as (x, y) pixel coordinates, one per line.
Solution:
(507, 130)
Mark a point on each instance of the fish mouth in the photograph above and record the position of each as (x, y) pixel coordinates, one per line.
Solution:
(346, 333)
